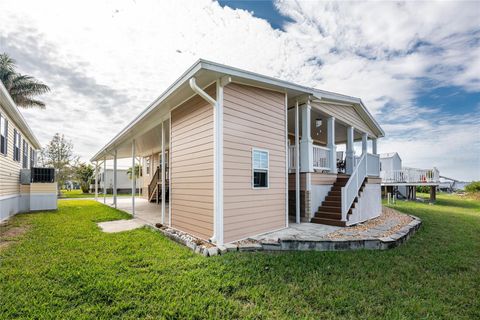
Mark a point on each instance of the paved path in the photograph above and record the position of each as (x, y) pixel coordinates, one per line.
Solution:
(121, 225)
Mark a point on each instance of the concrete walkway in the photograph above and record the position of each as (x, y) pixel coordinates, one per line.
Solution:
(149, 212)
(121, 225)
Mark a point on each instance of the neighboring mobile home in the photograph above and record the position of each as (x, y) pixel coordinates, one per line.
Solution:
(402, 181)
(18, 149)
(245, 153)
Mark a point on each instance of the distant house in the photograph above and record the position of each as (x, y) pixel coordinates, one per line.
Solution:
(402, 181)
(105, 181)
(22, 188)
(232, 154)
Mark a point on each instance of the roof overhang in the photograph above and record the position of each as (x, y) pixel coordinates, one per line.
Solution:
(12, 111)
(206, 73)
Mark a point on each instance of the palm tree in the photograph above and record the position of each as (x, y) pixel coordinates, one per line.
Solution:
(22, 88)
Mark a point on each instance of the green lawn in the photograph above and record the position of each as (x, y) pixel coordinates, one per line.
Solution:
(64, 267)
(77, 194)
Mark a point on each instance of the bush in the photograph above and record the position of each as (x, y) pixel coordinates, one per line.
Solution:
(423, 189)
(473, 186)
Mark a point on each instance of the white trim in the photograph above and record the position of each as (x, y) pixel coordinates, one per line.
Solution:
(218, 160)
(286, 160)
(9, 196)
(134, 177)
(162, 171)
(103, 180)
(96, 180)
(297, 166)
(170, 171)
(253, 149)
(114, 191)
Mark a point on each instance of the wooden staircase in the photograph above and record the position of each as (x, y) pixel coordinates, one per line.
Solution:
(154, 187)
(330, 212)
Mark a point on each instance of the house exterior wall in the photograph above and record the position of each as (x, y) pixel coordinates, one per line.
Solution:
(11, 201)
(346, 114)
(192, 166)
(253, 118)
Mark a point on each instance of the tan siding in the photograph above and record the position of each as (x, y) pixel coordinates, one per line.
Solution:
(10, 169)
(346, 114)
(253, 118)
(43, 188)
(192, 167)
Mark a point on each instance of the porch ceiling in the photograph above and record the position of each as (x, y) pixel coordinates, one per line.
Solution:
(320, 134)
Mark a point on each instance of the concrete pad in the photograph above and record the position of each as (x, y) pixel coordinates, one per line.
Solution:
(121, 225)
(299, 231)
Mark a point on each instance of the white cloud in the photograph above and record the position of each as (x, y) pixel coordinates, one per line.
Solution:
(106, 61)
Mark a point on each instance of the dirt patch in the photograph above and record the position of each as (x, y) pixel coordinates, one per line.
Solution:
(10, 234)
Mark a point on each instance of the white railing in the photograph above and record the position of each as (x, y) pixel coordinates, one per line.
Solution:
(320, 155)
(350, 190)
(320, 158)
(411, 175)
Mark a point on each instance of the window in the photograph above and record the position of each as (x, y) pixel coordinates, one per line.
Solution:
(25, 155)
(147, 164)
(3, 135)
(32, 158)
(16, 145)
(260, 168)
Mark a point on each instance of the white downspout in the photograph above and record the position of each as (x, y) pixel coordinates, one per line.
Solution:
(218, 153)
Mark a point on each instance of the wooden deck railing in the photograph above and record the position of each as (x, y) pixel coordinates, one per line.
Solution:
(153, 183)
(411, 175)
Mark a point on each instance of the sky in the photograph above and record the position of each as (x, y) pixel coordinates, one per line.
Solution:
(416, 65)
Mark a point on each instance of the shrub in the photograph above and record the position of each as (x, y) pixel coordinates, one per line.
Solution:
(473, 186)
(423, 189)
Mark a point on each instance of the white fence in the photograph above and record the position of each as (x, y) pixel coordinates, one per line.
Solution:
(411, 175)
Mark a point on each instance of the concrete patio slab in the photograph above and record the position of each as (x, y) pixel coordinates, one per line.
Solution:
(121, 225)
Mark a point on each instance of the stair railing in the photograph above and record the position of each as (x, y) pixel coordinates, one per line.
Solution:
(350, 190)
(153, 183)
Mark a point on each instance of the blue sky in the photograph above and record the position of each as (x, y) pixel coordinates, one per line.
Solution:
(415, 65)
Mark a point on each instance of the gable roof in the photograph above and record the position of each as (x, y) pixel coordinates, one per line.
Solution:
(206, 72)
(12, 110)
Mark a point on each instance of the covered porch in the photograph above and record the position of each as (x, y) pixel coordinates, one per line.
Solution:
(332, 150)
(145, 150)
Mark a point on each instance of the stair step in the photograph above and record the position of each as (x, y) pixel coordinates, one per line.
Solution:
(335, 193)
(330, 222)
(328, 215)
(332, 203)
(333, 198)
(330, 209)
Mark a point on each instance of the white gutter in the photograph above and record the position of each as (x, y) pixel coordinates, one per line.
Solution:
(200, 92)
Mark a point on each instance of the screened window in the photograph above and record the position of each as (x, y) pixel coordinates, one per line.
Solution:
(25, 155)
(16, 145)
(260, 168)
(3, 135)
(32, 158)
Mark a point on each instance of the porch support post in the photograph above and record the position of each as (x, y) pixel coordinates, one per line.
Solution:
(331, 144)
(350, 154)
(96, 180)
(134, 177)
(162, 171)
(104, 179)
(433, 194)
(374, 146)
(297, 168)
(306, 144)
(115, 178)
(364, 142)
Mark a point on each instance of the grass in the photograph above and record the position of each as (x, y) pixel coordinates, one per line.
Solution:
(78, 194)
(63, 266)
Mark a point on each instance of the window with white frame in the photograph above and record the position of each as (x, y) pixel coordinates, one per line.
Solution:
(16, 145)
(260, 168)
(3, 135)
